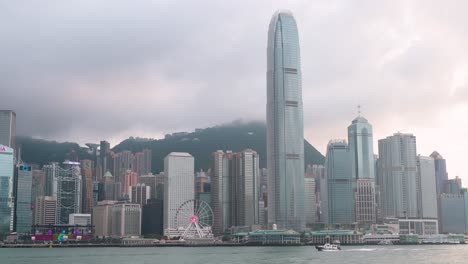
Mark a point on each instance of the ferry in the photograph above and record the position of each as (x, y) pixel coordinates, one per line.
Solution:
(328, 247)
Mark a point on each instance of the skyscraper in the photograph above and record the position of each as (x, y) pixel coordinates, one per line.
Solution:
(361, 150)
(8, 128)
(310, 200)
(340, 183)
(139, 193)
(45, 210)
(87, 186)
(179, 186)
(440, 171)
(6, 189)
(285, 132)
(427, 194)
(103, 157)
(23, 213)
(67, 190)
(221, 191)
(397, 175)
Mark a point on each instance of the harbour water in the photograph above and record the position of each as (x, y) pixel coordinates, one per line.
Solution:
(237, 255)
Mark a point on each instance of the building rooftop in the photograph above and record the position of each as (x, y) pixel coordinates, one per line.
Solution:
(179, 154)
(360, 119)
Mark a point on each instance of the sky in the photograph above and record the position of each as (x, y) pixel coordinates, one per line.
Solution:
(88, 70)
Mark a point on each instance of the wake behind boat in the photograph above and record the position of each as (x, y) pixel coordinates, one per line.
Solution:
(328, 247)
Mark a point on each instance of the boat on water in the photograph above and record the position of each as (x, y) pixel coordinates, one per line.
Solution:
(328, 247)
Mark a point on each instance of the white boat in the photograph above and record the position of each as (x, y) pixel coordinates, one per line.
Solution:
(328, 247)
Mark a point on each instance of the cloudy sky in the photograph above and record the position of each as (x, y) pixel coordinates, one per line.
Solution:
(89, 70)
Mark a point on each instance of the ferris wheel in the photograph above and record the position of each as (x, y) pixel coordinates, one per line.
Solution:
(193, 219)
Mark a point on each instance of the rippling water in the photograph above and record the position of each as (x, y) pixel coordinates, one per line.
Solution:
(219, 255)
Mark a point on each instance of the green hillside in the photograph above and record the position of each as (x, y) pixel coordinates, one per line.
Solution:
(236, 136)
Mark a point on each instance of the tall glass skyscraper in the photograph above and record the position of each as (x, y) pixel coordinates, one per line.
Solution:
(285, 131)
(6, 189)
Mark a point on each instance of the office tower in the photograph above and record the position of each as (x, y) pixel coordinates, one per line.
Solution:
(361, 151)
(454, 212)
(22, 194)
(221, 191)
(453, 186)
(285, 132)
(8, 128)
(106, 188)
(244, 169)
(38, 184)
(427, 191)
(142, 162)
(67, 190)
(440, 171)
(87, 186)
(178, 187)
(123, 161)
(51, 172)
(139, 194)
(152, 222)
(45, 210)
(365, 202)
(340, 183)
(323, 196)
(6, 189)
(95, 193)
(130, 178)
(103, 157)
(310, 200)
(202, 183)
(397, 176)
(126, 220)
(102, 218)
(79, 219)
(156, 182)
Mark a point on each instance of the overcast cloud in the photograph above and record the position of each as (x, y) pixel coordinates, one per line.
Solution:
(89, 70)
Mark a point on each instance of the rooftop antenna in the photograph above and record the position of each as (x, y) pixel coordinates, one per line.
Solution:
(359, 110)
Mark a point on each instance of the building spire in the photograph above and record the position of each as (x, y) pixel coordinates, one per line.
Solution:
(359, 110)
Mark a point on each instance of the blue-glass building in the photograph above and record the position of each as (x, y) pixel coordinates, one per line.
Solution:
(285, 131)
(6, 189)
(23, 212)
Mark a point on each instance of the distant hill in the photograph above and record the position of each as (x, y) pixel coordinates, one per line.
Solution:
(235, 136)
(202, 143)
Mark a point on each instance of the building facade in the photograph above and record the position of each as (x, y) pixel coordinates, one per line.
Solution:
(139, 193)
(67, 190)
(79, 219)
(6, 189)
(340, 183)
(23, 212)
(365, 202)
(102, 218)
(126, 220)
(398, 176)
(45, 210)
(87, 186)
(285, 131)
(427, 190)
(152, 222)
(310, 201)
(178, 187)
(454, 212)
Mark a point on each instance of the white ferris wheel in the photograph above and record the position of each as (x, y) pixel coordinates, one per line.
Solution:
(193, 219)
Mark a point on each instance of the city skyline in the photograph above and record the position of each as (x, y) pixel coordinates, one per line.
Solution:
(422, 65)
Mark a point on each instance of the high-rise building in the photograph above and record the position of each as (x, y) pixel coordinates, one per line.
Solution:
(178, 186)
(398, 176)
(453, 186)
(454, 212)
(126, 220)
(102, 218)
(310, 200)
(244, 169)
(139, 193)
(123, 161)
(156, 182)
(285, 131)
(440, 171)
(6, 189)
(104, 156)
(427, 191)
(142, 162)
(51, 172)
(22, 196)
(221, 191)
(38, 184)
(202, 183)
(45, 210)
(361, 149)
(8, 128)
(87, 186)
(340, 183)
(130, 179)
(152, 222)
(364, 200)
(67, 190)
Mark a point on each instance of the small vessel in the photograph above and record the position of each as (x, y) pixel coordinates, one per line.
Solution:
(328, 247)
(385, 242)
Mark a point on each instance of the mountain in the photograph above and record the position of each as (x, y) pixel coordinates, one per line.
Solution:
(235, 136)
